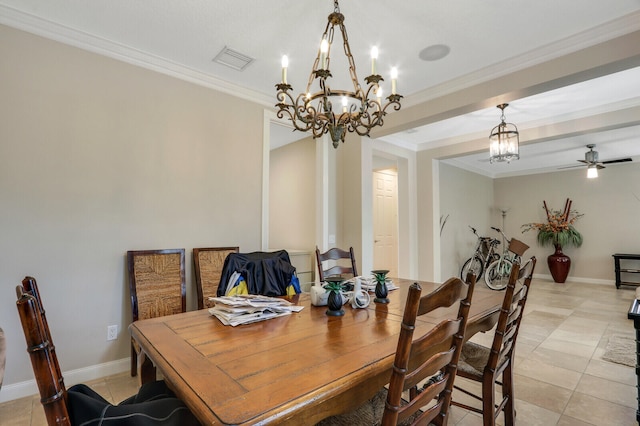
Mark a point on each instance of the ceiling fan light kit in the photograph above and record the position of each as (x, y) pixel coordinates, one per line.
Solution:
(591, 159)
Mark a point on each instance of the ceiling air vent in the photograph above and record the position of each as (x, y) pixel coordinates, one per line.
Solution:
(233, 59)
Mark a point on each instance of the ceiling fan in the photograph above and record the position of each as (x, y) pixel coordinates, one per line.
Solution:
(591, 159)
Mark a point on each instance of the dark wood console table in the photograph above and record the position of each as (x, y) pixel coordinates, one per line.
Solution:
(634, 314)
(632, 257)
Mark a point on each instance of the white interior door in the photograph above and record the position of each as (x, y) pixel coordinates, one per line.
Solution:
(385, 221)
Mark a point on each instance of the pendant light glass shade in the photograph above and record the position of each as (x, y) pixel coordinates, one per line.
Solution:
(504, 141)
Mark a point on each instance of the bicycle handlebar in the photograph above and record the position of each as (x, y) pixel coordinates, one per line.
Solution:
(500, 231)
(493, 240)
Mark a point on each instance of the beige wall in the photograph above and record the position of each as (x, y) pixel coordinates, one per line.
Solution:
(429, 187)
(611, 207)
(467, 199)
(610, 204)
(98, 157)
(292, 196)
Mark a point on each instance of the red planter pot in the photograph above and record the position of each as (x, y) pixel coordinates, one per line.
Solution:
(559, 264)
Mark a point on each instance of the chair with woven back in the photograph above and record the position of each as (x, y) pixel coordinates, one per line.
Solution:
(336, 261)
(208, 264)
(158, 288)
(430, 358)
(154, 404)
(494, 366)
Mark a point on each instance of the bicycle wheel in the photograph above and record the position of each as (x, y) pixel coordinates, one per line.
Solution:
(497, 275)
(472, 265)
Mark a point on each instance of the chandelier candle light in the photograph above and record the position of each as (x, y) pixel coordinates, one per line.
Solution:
(504, 140)
(366, 109)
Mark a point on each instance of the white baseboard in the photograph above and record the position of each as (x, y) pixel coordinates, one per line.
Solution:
(578, 280)
(81, 375)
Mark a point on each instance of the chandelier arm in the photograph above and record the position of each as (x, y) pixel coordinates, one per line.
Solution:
(395, 103)
(372, 90)
(298, 124)
(288, 108)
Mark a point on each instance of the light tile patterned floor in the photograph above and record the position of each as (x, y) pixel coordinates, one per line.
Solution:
(561, 378)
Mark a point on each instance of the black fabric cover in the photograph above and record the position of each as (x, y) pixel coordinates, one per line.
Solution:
(153, 405)
(266, 273)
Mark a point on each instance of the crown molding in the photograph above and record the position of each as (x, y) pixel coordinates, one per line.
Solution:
(82, 40)
(594, 36)
(85, 41)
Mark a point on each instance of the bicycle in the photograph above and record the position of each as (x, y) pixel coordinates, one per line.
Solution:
(498, 272)
(484, 254)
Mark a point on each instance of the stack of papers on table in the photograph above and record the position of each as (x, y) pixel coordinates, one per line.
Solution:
(369, 284)
(248, 308)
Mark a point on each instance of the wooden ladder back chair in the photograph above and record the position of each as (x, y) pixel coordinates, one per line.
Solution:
(491, 366)
(208, 264)
(339, 256)
(433, 355)
(155, 404)
(53, 394)
(157, 286)
(30, 286)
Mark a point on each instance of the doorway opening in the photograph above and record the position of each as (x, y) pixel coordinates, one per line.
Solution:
(385, 219)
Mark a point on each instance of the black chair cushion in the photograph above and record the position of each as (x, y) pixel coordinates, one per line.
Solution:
(153, 405)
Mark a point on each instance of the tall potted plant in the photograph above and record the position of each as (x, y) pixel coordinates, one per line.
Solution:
(558, 232)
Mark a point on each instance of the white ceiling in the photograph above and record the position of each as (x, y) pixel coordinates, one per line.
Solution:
(486, 39)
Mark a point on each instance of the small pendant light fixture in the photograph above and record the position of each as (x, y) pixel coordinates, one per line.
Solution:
(504, 141)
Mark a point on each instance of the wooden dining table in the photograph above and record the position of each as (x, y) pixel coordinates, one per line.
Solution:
(295, 369)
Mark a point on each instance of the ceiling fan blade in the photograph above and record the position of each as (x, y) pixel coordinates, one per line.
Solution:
(578, 165)
(619, 160)
(571, 167)
(599, 166)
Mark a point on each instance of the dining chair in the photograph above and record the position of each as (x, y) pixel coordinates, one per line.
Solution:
(3, 355)
(494, 366)
(336, 261)
(30, 286)
(430, 358)
(154, 404)
(208, 263)
(157, 286)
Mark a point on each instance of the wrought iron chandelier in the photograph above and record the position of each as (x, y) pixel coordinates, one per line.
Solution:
(357, 111)
(504, 141)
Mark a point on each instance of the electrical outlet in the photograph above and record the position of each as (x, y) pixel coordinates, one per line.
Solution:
(112, 332)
